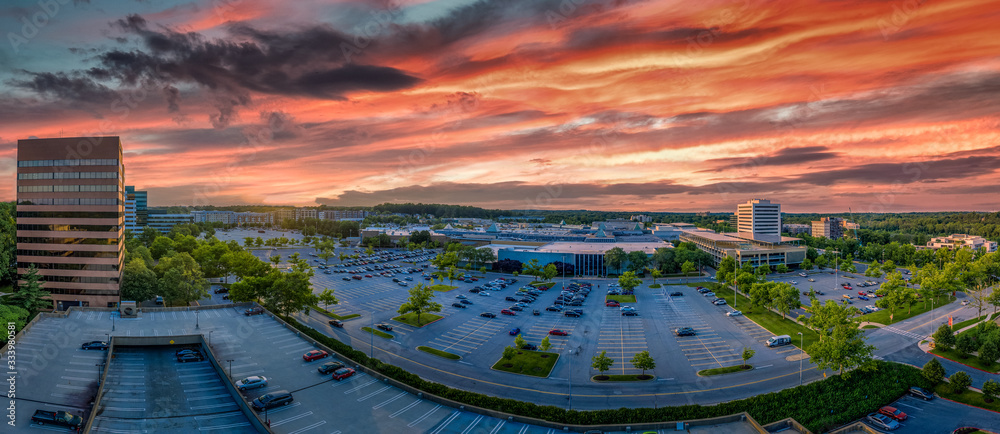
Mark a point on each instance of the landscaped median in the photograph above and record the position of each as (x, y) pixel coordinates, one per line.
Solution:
(764, 317)
(967, 360)
(865, 391)
(439, 353)
(526, 362)
(620, 378)
(725, 370)
(335, 316)
(411, 319)
(882, 316)
(537, 284)
(378, 333)
(968, 397)
(442, 288)
(620, 298)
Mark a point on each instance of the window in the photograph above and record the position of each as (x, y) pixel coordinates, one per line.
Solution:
(74, 162)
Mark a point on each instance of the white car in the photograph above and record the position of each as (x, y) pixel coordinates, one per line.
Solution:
(484, 293)
(803, 274)
(734, 313)
(793, 282)
(624, 308)
(251, 382)
(719, 302)
(709, 294)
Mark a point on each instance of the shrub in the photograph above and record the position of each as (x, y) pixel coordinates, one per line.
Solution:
(965, 344)
(933, 371)
(959, 382)
(990, 390)
(989, 350)
(944, 337)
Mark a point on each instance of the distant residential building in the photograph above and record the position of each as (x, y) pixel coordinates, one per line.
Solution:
(958, 241)
(641, 218)
(306, 213)
(829, 227)
(759, 216)
(703, 214)
(70, 217)
(283, 214)
(793, 228)
(353, 215)
(672, 231)
(254, 218)
(165, 222)
(225, 217)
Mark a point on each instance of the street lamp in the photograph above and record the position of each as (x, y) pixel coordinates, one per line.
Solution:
(802, 340)
(230, 367)
(570, 378)
(736, 288)
(210, 337)
(196, 325)
(371, 331)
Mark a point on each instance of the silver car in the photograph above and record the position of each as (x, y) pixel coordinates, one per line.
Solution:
(882, 421)
(251, 382)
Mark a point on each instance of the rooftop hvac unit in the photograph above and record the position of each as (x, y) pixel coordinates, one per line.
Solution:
(128, 309)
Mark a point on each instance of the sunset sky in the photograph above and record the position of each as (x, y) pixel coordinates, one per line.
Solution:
(880, 106)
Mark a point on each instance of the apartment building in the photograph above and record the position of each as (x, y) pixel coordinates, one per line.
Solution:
(829, 227)
(71, 216)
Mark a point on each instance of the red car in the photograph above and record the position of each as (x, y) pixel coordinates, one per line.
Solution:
(558, 332)
(508, 312)
(893, 412)
(342, 373)
(612, 303)
(368, 275)
(314, 355)
(862, 293)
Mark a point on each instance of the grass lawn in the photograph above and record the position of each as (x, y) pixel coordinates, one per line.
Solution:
(969, 397)
(439, 353)
(411, 319)
(537, 284)
(655, 285)
(442, 287)
(621, 298)
(533, 363)
(882, 316)
(630, 377)
(725, 370)
(333, 315)
(378, 333)
(767, 319)
(973, 361)
(969, 322)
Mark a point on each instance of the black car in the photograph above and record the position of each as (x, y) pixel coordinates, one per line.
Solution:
(329, 367)
(676, 294)
(527, 299)
(458, 305)
(571, 313)
(465, 301)
(336, 323)
(529, 347)
(384, 326)
(94, 345)
(509, 298)
(178, 353)
(517, 308)
(630, 313)
(684, 331)
(271, 400)
(535, 312)
(222, 290)
(488, 315)
(553, 309)
(920, 392)
(474, 290)
(190, 357)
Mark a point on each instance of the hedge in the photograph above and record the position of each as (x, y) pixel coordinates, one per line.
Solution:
(819, 406)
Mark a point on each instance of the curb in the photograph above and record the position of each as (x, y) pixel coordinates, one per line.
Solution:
(960, 363)
(967, 405)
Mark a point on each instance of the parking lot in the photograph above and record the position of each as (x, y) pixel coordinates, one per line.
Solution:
(940, 416)
(830, 285)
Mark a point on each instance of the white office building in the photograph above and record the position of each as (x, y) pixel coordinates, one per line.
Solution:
(759, 217)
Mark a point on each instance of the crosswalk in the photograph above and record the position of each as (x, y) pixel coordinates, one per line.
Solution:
(897, 331)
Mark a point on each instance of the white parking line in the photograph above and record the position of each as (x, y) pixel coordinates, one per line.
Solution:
(363, 398)
(496, 429)
(293, 418)
(447, 421)
(473, 424)
(402, 410)
(421, 418)
(356, 388)
(227, 426)
(307, 428)
(389, 401)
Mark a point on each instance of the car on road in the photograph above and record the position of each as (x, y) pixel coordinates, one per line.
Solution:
(336, 323)
(920, 392)
(464, 301)
(458, 305)
(630, 313)
(254, 311)
(329, 367)
(383, 326)
(893, 413)
(488, 315)
(880, 421)
(251, 383)
(557, 332)
(719, 302)
(271, 400)
(684, 331)
(734, 313)
(515, 331)
(342, 373)
(676, 294)
(612, 303)
(315, 355)
(94, 345)
(508, 312)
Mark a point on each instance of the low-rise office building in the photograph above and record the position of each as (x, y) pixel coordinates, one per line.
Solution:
(757, 249)
(587, 258)
(958, 241)
(165, 222)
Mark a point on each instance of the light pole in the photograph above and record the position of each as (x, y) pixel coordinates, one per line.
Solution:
(230, 367)
(112, 321)
(564, 271)
(802, 340)
(196, 325)
(371, 331)
(210, 337)
(736, 288)
(569, 377)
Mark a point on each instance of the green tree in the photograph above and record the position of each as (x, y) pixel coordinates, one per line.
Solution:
(806, 264)
(760, 294)
(845, 348)
(655, 273)
(545, 344)
(508, 353)
(821, 262)
(726, 270)
(747, 355)
(275, 259)
(781, 268)
(10, 314)
(290, 292)
(991, 389)
(519, 342)
(933, 371)
(965, 344)
(944, 337)
(643, 361)
(989, 349)
(893, 296)
(628, 281)
(210, 257)
(614, 258)
(161, 246)
(532, 268)
(602, 362)
(138, 282)
(874, 270)
(245, 264)
(259, 242)
(764, 270)
(141, 252)
(29, 295)
(960, 382)
(549, 272)
(421, 301)
(637, 261)
(687, 268)
(327, 298)
(785, 297)
(889, 267)
(180, 278)
(826, 316)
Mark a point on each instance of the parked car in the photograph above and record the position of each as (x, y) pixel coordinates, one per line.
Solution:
(777, 341)
(719, 302)
(734, 313)
(57, 418)
(254, 311)
(314, 355)
(329, 367)
(190, 357)
(571, 313)
(465, 301)
(676, 294)
(535, 312)
(253, 382)
(529, 347)
(271, 400)
(484, 293)
(880, 421)
(684, 331)
(893, 413)
(553, 308)
(342, 373)
(346, 278)
(222, 290)
(461, 297)
(630, 313)
(612, 303)
(488, 315)
(336, 323)
(557, 332)
(709, 294)
(509, 298)
(515, 331)
(508, 312)
(458, 305)
(920, 392)
(516, 308)
(94, 345)
(383, 326)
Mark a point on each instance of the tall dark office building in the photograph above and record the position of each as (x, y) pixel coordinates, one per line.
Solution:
(136, 212)
(70, 217)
